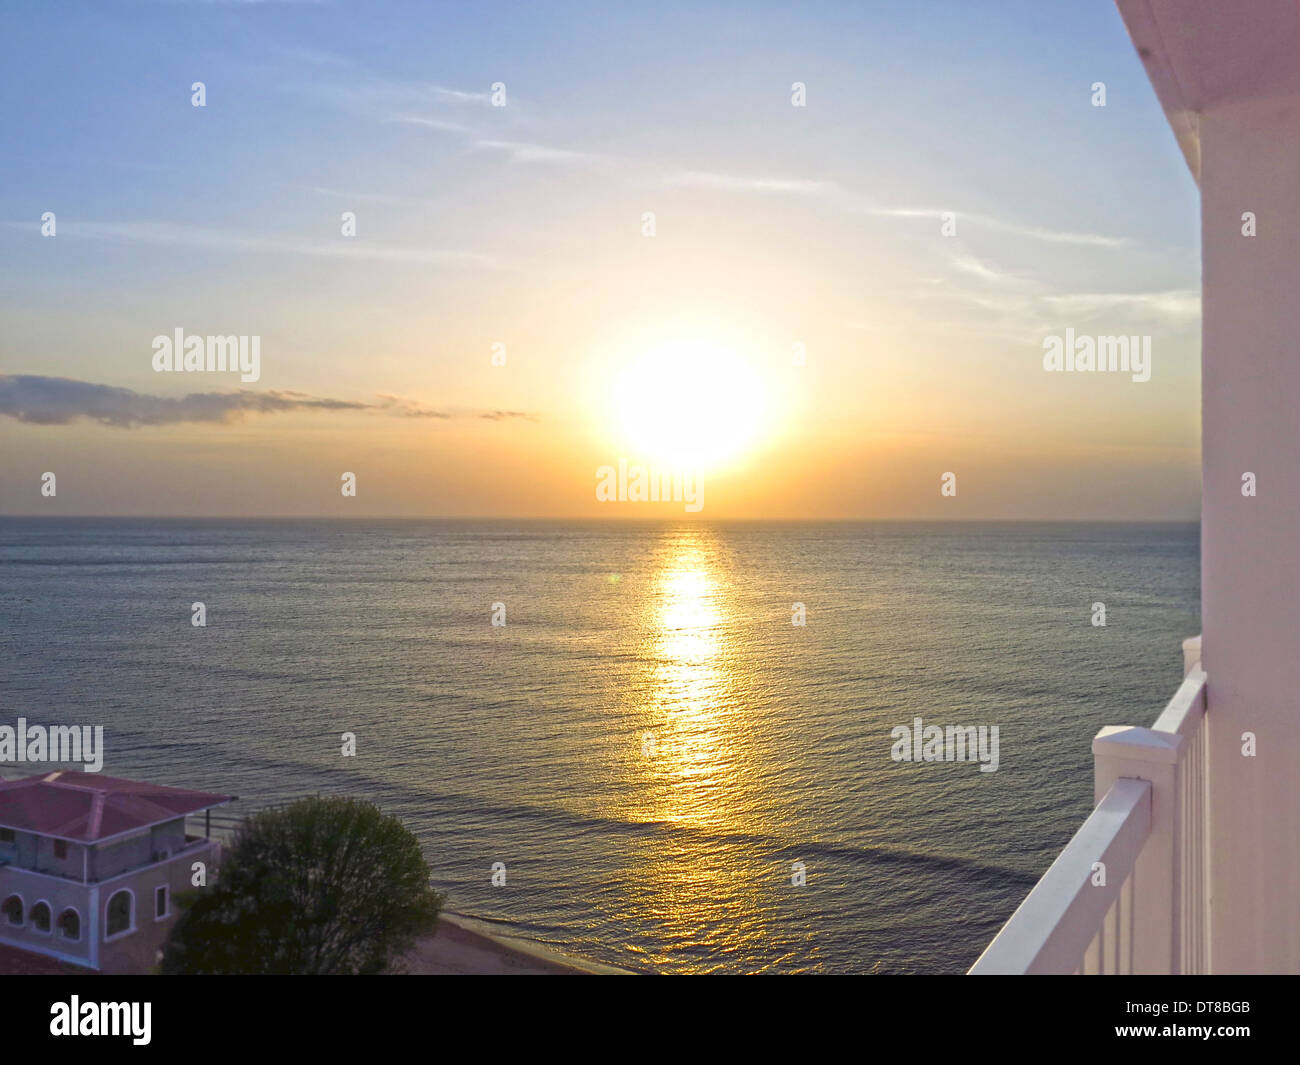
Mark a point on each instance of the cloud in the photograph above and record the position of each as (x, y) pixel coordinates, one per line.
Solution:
(985, 271)
(539, 153)
(642, 169)
(1055, 236)
(380, 97)
(462, 97)
(409, 408)
(408, 103)
(1184, 304)
(175, 235)
(735, 183)
(505, 415)
(429, 123)
(518, 151)
(39, 400)
(1024, 307)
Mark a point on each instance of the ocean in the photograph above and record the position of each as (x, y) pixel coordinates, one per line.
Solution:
(648, 744)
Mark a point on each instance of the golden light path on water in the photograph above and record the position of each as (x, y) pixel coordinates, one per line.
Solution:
(695, 749)
(699, 775)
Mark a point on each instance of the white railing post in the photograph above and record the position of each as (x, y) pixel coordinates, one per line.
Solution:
(1069, 913)
(1152, 913)
(1145, 754)
(1184, 717)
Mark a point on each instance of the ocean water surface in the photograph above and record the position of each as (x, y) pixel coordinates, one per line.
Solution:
(648, 744)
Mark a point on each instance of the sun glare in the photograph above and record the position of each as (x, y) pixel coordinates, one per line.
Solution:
(690, 405)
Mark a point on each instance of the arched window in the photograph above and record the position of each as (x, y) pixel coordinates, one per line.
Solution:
(13, 909)
(40, 917)
(121, 915)
(70, 924)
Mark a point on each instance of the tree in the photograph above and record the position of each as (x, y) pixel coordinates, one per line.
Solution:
(324, 885)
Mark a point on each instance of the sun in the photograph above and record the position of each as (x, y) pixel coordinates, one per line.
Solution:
(690, 405)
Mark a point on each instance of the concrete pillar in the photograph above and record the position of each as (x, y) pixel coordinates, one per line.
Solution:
(1250, 162)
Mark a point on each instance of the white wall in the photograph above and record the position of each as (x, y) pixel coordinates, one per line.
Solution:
(1250, 161)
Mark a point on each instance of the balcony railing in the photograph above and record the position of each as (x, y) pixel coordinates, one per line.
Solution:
(1130, 892)
(193, 845)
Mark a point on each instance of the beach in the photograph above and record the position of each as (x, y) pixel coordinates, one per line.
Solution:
(462, 946)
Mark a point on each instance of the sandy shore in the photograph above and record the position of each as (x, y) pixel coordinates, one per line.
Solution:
(464, 946)
(460, 946)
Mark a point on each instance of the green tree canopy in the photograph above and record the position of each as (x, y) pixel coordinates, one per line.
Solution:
(325, 885)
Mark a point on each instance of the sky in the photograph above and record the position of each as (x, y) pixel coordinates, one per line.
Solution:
(635, 249)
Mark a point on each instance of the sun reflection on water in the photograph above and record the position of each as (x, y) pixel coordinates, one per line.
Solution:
(702, 775)
(697, 780)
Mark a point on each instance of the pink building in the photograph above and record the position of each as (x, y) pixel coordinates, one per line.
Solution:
(90, 865)
(1190, 862)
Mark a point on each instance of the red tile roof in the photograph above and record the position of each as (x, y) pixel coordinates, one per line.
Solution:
(86, 807)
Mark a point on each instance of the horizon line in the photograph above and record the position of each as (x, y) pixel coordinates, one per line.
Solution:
(588, 518)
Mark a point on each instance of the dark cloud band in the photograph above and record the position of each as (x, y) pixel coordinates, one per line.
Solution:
(40, 400)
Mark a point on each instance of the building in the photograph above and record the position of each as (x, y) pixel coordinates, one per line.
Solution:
(1197, 824)
(90, 866)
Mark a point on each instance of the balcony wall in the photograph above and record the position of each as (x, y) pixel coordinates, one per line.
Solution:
(138, 951)
(1250, 154)
(60, 893)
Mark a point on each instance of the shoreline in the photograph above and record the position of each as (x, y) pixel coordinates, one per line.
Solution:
(460, 946)
(467, 946)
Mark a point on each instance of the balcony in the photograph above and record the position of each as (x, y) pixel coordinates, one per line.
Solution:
(193, 846)
(1130, 892)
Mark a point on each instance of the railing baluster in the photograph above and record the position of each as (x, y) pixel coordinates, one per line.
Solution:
(1193, 818)
(1092, 956)
(1121, 928)
(1202, 871)
(1184, 853)
(1132, 895)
